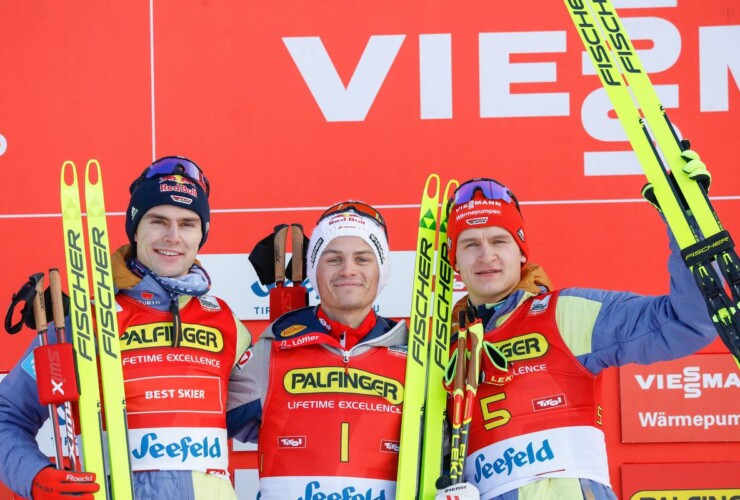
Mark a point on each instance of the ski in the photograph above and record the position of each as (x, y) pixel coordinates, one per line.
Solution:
(685, 205)
(81, 321)
(438, 357)
(120, 485)
(418, 344)
(109, 350)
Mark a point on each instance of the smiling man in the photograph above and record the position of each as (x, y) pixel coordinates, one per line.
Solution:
(178, 348)
(536, 431)
(323, 388)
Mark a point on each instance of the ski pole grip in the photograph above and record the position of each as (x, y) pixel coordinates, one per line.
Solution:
(39, 308)
(57, 308)
(281, 235)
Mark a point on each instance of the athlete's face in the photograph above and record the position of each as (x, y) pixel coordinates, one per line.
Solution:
(167, 240)
(489, 262)
(347, 276)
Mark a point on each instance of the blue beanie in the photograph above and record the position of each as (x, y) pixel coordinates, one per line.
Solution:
(173, 189)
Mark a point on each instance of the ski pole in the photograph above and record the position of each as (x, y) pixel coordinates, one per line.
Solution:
(39, 313)
(299, 295)
(458, 396)
(475, 331)
(278, 293)
(58, 315)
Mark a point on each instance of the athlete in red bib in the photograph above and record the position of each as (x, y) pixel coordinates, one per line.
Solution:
(536, 430)
(179, 347)
(323, 387)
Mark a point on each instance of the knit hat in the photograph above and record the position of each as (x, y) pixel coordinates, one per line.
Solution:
(482, 211)
(346, 219)
(177, 188)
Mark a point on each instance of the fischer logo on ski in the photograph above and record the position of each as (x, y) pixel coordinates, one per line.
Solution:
(83, 326)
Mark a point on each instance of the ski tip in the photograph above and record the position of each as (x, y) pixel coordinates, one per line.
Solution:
(431, 188)
(92, 173)
(69, 173)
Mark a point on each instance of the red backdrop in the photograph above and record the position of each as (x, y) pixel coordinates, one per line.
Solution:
(291, 106)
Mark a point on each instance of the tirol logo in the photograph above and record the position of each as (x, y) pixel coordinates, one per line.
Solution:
(183, 449)
(147, 295)
(314, 492)
(529, 346)
(292, 330)
(160, 335)
(291, 441)
(548, 402)
(512, 459)
(390, 446)
(331, 379)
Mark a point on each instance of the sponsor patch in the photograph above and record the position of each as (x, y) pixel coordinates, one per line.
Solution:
(477, 221)
(209, 303)
(398, 351)
(29, 365)
(378, 247)
(292, 330)
(244, 359)
(548, 402)
(160, 335)
(182, 185)
(291, 441)
(528, 346)
(158, 446)
(181, 199)
(388, 446)
(316, 250)
(334, 379)
(539, 306)
(174, 394)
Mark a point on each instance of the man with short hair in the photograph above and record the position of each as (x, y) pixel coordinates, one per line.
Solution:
(543, 344)
(162, 301)
(323, 389)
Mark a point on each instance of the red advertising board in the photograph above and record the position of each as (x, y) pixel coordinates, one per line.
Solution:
(696, 398)
(683, 481)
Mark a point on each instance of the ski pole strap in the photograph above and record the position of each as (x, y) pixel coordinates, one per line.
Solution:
(706, 249)
(24, 295)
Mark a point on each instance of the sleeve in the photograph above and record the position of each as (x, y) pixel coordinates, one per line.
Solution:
(606, 328)
(247, 390)
(21, 417)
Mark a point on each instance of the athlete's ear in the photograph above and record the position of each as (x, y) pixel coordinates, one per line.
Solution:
(524, 258)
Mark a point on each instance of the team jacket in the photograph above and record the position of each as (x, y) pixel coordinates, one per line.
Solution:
(327, 421)
(176, 397)
(539, 436)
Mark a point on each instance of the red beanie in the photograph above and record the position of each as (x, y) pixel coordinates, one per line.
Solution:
(481, 212)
